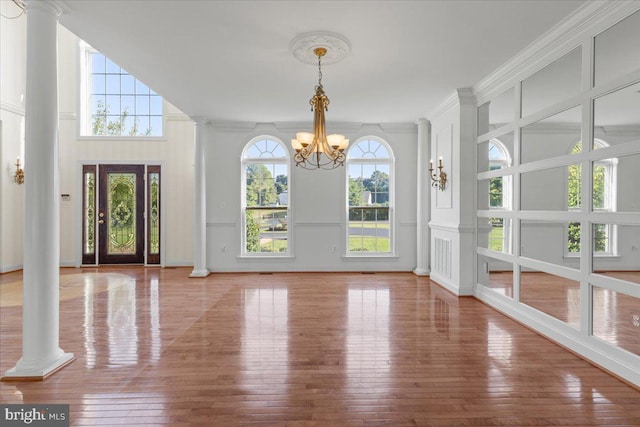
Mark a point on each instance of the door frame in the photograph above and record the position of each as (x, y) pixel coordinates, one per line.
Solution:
(80, 257)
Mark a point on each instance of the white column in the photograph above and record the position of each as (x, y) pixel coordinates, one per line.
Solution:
(200, 220)
(423, 199)
(41, 354)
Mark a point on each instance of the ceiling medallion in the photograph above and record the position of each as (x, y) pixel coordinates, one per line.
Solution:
(303, 47)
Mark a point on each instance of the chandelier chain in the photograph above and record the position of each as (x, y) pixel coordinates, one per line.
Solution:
(319, 71)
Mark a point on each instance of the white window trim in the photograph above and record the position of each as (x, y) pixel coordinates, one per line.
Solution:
(392, 223)
(243, 202)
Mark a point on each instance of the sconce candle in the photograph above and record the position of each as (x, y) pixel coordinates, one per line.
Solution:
(18, 176)
(439, 180)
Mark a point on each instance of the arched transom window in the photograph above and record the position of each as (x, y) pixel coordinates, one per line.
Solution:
(370, 197)
(265, 197)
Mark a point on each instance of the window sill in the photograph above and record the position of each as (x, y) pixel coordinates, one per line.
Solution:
(371, 257)
(120, 138)
(577, 257)
(270, 258)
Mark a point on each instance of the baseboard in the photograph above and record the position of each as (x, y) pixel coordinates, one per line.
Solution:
(10, 268)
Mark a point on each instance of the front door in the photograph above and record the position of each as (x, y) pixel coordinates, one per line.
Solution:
(121, 214)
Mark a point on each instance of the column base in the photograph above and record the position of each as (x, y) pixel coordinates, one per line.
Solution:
(199, 273)
(40, 373)
(421, 272)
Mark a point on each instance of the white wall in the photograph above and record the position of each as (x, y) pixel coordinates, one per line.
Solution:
(174, 152)
(12, 89)
(317, 199)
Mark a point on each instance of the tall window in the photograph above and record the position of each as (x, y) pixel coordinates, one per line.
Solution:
(370, 197)
(603, 201)
(114, 102)
(265, 197)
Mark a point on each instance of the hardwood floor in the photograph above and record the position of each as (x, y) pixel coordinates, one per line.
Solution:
(154, 347)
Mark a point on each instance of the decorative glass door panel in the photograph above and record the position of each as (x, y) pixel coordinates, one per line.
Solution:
(153, 218)
(121, 214)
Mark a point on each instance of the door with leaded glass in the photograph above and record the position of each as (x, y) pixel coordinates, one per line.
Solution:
(121, 205)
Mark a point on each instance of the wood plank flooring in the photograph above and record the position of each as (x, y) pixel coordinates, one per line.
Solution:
(156, 348)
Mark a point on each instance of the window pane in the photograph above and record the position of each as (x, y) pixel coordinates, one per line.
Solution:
(369, 230)
(113, 84)
(156, 105)
(127, 105)
(155, 126)
(266, 230)
(111, 67)
(98, 84)
(127, 82)
(97, 63)
(141, 88)
(142, 126)
(142, 105)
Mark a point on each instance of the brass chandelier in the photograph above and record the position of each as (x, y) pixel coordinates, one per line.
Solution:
(318, 150)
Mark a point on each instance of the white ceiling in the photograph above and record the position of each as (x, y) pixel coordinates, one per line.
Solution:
(230, 60)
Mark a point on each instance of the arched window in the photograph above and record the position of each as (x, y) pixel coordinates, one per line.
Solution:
(370, 197)
(603, 198)
(265, 197)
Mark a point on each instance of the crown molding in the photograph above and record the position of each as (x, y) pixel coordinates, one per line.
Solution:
(588, 20)
(457, 97)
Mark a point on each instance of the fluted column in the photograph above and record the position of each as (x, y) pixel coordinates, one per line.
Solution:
(423, 200)
(200, 220)
(41, 354)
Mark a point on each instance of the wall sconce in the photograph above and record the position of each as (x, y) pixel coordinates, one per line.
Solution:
(18, 177)
(439, 179)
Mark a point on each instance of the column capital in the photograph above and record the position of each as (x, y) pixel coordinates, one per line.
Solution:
(49, 6)
(421, 122)
(199, 120)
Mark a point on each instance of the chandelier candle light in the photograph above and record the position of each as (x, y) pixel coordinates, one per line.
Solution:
(318, 150)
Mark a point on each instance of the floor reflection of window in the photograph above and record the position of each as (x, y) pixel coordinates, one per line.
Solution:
(265, 340)
(368, 353)
(123, 331)
(155, 320)
(442, 316)
(89, 329)
(500, 351)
